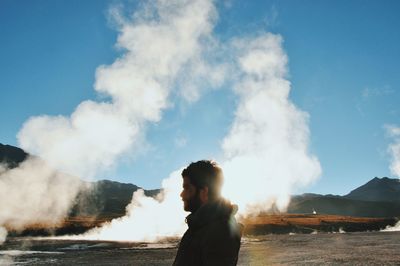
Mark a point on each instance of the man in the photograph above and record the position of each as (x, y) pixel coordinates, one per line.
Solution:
(213, 236)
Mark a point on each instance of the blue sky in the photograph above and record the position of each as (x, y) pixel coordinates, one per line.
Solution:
(343, 66)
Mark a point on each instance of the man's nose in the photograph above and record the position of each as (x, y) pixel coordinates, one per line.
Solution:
(181, 194)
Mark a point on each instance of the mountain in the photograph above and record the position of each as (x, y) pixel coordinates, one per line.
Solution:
(377, 189)
(339, 205)
(379, 197)
(11, 156)
(105, 198)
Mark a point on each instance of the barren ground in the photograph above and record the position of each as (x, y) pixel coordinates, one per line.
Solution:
(367, 248)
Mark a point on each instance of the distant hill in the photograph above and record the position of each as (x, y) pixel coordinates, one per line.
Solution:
(379, 197)
(338, 205)
(106, 198)
(12, 156)
(377, 189)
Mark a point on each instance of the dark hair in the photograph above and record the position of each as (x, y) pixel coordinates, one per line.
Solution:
(205, 173)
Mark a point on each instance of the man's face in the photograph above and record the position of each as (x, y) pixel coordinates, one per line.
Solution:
(190, 197)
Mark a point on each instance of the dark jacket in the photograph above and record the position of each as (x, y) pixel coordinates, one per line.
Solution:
(213, 236)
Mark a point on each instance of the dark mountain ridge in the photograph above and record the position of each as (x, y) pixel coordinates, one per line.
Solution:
(339, 205)
(106, 198)
(11, 156)
(377, 189)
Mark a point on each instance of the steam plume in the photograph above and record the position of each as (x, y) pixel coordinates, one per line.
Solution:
(164, 40)
(34, 194)
(267, 146)
(3, 235)
(167, 45)
(394, 149)
(147, 219)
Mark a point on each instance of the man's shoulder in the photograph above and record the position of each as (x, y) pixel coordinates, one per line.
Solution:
(222, 229)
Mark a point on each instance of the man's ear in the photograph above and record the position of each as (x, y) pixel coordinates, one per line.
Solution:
(203, 193)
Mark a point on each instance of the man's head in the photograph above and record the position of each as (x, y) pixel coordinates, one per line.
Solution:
(202, 182)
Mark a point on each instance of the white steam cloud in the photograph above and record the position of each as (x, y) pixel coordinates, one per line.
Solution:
(267, 146)
(147, 219)
(165, 44)
(3, 235)
(394, 149)
(169, 49)
(34, 194)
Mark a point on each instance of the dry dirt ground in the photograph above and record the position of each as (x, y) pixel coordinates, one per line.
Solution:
(367, 248)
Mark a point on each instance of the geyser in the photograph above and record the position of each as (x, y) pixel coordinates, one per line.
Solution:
(34, 194)
(393, 132)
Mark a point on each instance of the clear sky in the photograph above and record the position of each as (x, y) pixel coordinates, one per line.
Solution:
(343, 65)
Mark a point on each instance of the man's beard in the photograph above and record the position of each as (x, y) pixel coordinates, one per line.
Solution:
(194, 203)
